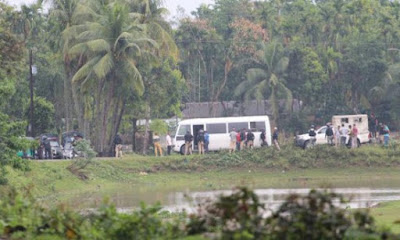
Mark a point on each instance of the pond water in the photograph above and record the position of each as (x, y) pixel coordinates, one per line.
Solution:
(272, 198)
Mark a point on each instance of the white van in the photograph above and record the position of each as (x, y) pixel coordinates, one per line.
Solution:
(361, 122)
(219, 128)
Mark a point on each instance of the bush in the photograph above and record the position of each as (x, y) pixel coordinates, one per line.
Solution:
(236, 216)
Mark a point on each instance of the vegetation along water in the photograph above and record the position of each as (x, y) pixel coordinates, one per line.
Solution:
(88, 78)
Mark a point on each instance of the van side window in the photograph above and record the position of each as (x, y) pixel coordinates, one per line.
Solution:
(345, 120)
(257, 126)
(183, 129)
(216, 128)
(237, 125)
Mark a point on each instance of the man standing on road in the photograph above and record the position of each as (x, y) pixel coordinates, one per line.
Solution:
(329, 134)
(118, 146)
(354, 137)
(386, 135)
(47, 149)
(344, 133)
(262, 138)
(238, 140)
(232, 144)
(275, 136)
(206, 141)
(337, 136)
(157, 145)
(381, 133)
(188, 143)
(242, 139)
(169, 143)
(200, 141)
(250, 139)
(312, 135)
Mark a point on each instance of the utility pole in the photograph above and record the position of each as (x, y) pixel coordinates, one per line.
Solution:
(31, 109)
(199, 81)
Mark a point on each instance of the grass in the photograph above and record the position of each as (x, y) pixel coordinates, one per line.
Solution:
(387, 215)
(135, 178)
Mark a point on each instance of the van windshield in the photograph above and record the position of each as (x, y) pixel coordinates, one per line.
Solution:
(183, 129)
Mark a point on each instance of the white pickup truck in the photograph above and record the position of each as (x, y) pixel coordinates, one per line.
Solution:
(361, 122)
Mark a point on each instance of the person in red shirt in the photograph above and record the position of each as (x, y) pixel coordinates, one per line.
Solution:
(354, 136)
(238, 140)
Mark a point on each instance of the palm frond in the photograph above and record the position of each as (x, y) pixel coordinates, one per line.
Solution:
(104, 66)
(133, 77)
(255, 75)
(98, 45)
(85, 70)
(77, 50)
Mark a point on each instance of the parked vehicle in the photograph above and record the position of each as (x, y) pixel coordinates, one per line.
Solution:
(219, 128)
(361, 122)
(56, 149)
(70, 137)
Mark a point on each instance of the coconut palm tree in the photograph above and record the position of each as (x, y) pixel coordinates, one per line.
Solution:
(109, 43)
(266, 80)
(62, 11)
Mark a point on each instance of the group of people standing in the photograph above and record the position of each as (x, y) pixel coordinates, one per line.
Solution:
(203, 140)
(344, 135)
(338, 136)
(379, 130)
(241, 139)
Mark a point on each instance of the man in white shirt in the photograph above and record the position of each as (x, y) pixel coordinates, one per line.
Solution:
(344, 133)
(169, 144)
(232, 145)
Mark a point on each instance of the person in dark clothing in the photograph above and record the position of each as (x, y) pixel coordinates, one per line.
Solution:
(329, 134)
(250, 139)
(275, 136)
(206, 141)
(118, 146)
(262, 137)
(200, 141)
(381, 133)
(312, 135)
(188, 143)
(47, 149)
(373, 125)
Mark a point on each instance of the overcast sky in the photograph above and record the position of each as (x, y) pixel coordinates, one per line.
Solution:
(188, 5)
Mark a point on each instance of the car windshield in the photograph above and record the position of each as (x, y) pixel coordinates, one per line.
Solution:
(54, 144)
(322, 130)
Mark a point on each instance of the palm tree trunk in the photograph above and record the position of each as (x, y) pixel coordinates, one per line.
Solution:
(105, 118)
(78, 109)
(146, 130)
(134, 129)
(116, 122)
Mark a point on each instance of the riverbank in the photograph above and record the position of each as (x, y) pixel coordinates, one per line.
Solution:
(134, 179)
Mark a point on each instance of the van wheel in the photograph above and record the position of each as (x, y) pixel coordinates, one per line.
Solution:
(182, 151)
(307, 145)
(358, 143)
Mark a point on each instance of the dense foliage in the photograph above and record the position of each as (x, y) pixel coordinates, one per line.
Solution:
(336, 57)
(102, 65)
(236, 216)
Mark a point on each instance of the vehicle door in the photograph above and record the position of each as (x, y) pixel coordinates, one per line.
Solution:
(321, 136)
(180, 136)
(196, 130)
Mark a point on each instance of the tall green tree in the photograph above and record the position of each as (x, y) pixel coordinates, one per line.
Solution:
(267, 79)
(109, 44)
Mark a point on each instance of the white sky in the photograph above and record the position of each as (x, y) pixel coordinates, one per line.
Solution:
(171, 5)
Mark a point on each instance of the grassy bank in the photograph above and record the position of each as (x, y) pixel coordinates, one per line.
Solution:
(135, 178)
(262, 168)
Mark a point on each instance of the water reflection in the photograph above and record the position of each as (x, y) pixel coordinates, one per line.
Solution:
(273, 198)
